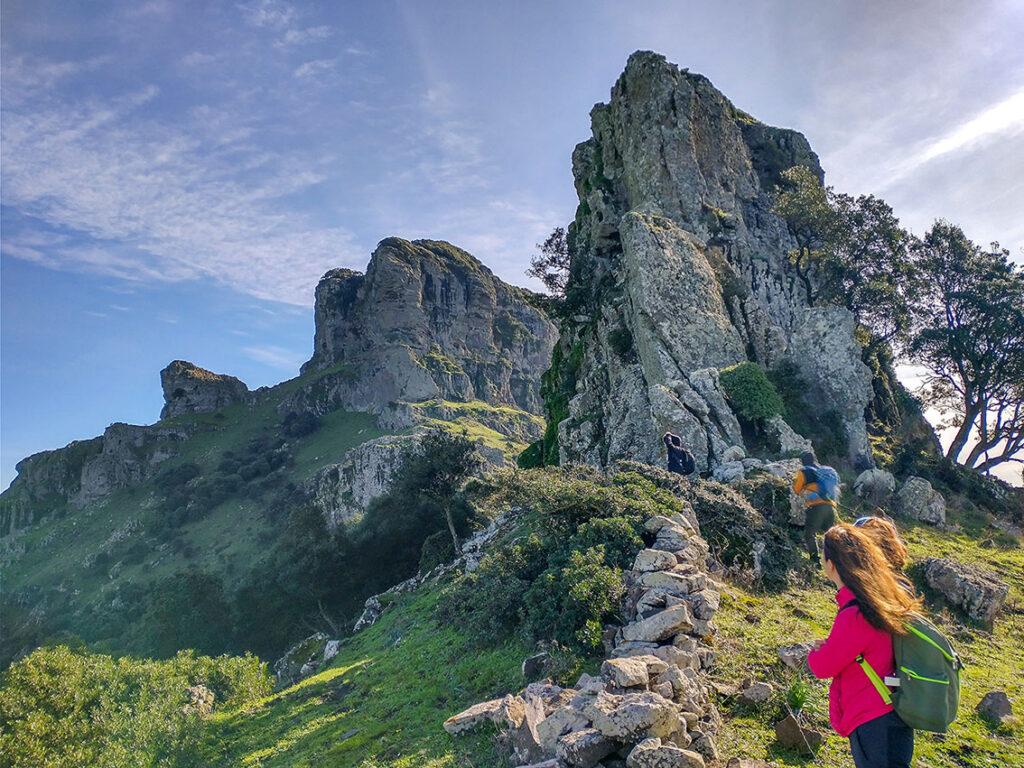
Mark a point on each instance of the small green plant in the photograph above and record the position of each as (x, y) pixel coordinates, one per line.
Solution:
(797, 693)
(753, 397)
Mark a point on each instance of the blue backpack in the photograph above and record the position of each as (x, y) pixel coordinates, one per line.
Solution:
(827, 480)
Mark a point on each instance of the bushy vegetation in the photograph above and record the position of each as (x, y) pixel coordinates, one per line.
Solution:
(824, 427)
(751, 394)
(65, 709)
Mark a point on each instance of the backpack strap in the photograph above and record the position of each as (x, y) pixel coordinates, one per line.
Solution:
(876, 681)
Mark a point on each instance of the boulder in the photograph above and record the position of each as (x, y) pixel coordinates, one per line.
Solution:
(584, 748)
(534, 666)
(652, 753)
(660, 626)
(729, 472)
(979, 593)
(633, 714)
(917, 499)
(507, 712)
(791, 734)
(654, 560)
(747, 762)
(628, 672)
(733, 453)
(191, 389)
(558, 723)
(788, 442)
(673, 582)
(996, 708)
(756, 693)
(875, 486)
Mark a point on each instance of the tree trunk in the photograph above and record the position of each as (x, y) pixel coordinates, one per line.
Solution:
(962, 435)
(451, 527)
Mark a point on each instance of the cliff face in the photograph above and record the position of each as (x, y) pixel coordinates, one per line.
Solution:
(191, 389)
(426, 321)
(680, 268)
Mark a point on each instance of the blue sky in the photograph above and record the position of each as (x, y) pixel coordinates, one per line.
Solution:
(176, 176)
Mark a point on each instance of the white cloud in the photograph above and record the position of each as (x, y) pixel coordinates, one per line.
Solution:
(276, 357)
(302, 36)
(1002, 119)
(198, 59)
(267, 13)
(146, 201)
(315, 67)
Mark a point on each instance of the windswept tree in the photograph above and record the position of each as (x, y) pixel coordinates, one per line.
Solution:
(851, 252)
(969, 334)
(551, 264)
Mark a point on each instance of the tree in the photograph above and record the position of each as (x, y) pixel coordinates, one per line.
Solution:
(551, 265)
(851, 252)
(969, 334)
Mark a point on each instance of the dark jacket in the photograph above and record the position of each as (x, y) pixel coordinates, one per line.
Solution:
(680, 460)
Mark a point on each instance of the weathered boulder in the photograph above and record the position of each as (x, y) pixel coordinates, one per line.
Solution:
(787, 441)
(584, 748)
(628, 672)
(633, 714)
(660, 626)
(191, 389)
(534, 666)
(792, 734)
(427, 321)
(506, 712)
(652, 753)
(654, 560)
(875, 486)
(979, 593)
(995, 707)
(758, 692)
(683, 268)
(917, 499)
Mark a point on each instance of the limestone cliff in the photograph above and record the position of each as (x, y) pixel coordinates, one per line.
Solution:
(191, 389)
(427, 321)
(680, 268)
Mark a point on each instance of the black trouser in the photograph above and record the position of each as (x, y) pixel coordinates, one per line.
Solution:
(885, 742)
(820, 517)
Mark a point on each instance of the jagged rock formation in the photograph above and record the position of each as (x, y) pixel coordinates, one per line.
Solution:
(652, 701)
(680, 268)
(87, 470)
(977, 592)
(427, 321)
(191, 389)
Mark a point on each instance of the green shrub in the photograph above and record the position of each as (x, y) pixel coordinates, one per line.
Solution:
(532, 457)
(437, 549)
(562, 581)
(64, 708)
(753, 397)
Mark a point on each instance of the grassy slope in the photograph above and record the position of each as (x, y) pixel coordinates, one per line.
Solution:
(225, 542)
(381, 701)
(753, 625)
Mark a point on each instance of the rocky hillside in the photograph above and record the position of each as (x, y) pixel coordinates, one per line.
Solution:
(679, 269)
(428, 338)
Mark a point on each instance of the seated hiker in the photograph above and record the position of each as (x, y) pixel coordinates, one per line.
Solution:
(818, 485)
(873, 608)
(680, 460)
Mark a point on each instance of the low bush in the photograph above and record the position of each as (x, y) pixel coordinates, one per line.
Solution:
(561, 580)
(65, 708)
(752, 396)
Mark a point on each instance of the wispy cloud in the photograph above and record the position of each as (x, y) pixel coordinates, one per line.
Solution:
(302, 36)
(267, 13)
(276, 357)
(1002, 119)
(144, 200)
(315, 68)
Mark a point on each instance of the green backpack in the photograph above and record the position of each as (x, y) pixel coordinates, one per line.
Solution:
(927, 678)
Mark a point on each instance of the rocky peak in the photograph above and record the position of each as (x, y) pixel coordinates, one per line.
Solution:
(191, 389)
(428, 320)
(680, 268)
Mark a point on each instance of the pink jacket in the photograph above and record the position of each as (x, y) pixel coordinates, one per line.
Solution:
(852, 699)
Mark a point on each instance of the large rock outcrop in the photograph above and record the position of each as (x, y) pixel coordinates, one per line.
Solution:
(680, 268)
(191, 389)
(427, 321)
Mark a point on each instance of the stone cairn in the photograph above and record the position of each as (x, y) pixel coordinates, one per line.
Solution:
(650, 707)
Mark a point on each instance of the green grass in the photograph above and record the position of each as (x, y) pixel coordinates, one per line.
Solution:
(381, 702)
(753, 625)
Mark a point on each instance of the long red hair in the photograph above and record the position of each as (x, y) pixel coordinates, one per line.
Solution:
(864, 569)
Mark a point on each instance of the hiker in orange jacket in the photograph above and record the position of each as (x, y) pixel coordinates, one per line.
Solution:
(818, 484)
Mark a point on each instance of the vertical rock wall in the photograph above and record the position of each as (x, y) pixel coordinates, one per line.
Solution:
(679, 269)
